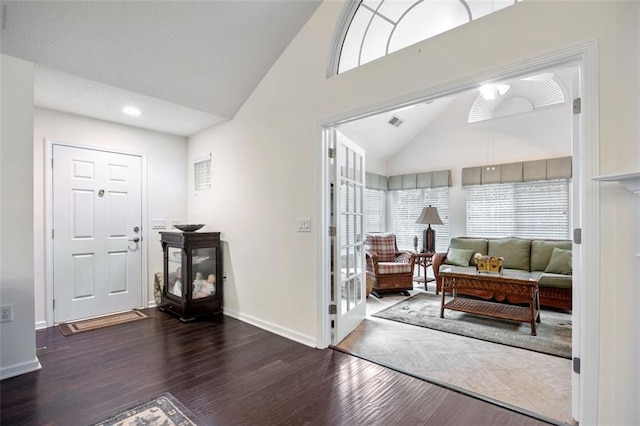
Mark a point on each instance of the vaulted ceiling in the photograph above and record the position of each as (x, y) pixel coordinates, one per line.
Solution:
(187, 64)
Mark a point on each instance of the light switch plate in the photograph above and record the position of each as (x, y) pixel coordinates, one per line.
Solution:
(304, 224)
(159, 224)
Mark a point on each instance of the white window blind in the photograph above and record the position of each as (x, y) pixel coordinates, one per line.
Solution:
(524, 209)
(407, 206)
(202, 174)
(374, 209)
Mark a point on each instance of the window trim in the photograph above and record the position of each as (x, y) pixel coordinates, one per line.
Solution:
(346, 18)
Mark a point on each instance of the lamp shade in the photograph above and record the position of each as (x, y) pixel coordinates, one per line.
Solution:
(429, 215)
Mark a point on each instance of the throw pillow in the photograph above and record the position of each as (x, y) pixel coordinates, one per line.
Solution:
(458, 257)
(478, 245)
(560, 262)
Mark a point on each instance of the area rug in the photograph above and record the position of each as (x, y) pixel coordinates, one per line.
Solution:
(76, 327)
(163, 410)
(423, 309)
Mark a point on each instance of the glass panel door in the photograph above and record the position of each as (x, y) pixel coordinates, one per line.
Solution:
(349, 278)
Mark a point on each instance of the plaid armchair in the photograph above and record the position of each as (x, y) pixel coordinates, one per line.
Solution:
(390, 270)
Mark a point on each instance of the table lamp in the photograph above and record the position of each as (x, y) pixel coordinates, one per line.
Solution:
(429, 216)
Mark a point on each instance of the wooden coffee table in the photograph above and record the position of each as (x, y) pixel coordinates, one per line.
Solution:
(519, 286)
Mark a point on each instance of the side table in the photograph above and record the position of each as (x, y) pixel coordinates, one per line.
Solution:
(424, 260)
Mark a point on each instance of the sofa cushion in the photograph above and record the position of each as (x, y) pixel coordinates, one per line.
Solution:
(555, 280)
(560, 262)
(541, 252)
(459, 257)
(516, 252)
(393, 268)
(478, 245)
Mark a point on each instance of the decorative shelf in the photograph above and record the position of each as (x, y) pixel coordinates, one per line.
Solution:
(631, 181)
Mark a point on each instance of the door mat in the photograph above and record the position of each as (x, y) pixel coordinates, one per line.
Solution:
(70, 328)
(423, 309)
(164, 410)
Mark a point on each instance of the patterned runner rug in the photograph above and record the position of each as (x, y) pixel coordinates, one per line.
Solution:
(423, 309)
(71, 328)
(163, 410)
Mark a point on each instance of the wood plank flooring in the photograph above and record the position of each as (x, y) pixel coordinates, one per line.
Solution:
(227, 373)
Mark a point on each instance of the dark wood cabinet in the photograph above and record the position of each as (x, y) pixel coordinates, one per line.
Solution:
(192, 274)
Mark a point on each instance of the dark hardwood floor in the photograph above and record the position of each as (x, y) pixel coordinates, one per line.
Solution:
(227, 373)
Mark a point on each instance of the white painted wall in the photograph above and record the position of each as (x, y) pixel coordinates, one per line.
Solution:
(266, 164)
(450, 142)
(166, 179)
(17, 338)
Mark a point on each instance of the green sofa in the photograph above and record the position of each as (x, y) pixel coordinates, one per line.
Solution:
(552, 258)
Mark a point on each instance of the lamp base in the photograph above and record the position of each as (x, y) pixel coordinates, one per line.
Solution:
(429, 240)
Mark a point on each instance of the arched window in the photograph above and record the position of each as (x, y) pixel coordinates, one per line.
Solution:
(375, 28)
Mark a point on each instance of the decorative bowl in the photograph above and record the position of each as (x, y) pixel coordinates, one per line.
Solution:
(189, 228)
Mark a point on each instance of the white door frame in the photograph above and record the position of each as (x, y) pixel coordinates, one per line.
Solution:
(48, 217)
(585, 55)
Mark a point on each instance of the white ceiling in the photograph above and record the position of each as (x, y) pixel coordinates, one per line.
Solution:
(382, 140)
(187, 65)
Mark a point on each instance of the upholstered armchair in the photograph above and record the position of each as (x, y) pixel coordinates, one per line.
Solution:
(390, 270)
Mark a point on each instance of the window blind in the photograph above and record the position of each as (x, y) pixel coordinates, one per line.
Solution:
(408, 204)
(523, 209)
(374, 208)
(202, 174)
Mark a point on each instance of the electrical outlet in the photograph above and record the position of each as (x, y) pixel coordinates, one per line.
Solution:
(6, 313)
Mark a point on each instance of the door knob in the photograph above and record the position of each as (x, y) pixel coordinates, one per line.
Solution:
(134, 239)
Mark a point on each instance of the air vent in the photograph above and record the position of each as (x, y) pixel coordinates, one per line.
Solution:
(396, 121)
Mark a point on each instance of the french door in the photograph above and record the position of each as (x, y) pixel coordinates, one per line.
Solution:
(348, 263)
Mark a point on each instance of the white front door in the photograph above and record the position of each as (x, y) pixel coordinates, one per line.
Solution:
(97, 219)
(348, 246)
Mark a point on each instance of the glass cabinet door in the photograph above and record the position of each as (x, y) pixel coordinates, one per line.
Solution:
(204, 270)
(174, 266)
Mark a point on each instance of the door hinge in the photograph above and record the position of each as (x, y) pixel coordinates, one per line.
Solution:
(332, 153)
(577, 105)
(52, 163)
(54, 303)
(333, 309)
(577, 236)
(332, 231)
(576, 365)
(52, 234)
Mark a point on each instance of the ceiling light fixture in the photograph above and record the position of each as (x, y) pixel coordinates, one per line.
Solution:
(133, 111)
(502, 88)
(489, 91)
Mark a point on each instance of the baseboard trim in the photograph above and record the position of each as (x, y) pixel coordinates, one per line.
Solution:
(41, 325)
(152, 304)
(273, 328)
(20, 368)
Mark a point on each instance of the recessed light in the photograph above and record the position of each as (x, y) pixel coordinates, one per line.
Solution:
(131, 111)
